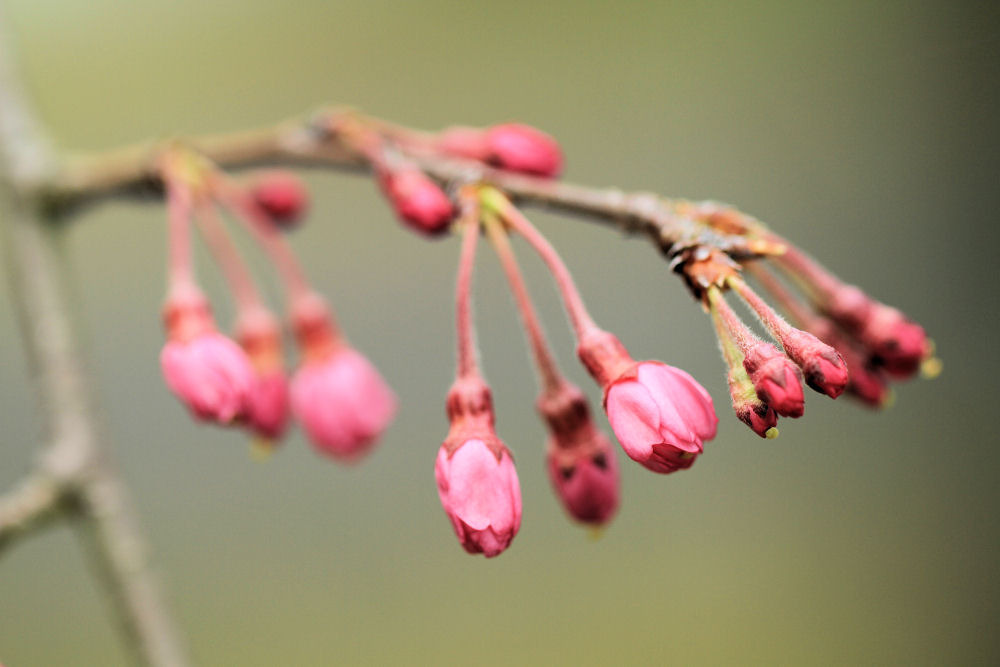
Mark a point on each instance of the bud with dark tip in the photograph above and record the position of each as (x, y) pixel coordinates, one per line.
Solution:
(282, 195)
(776, 378)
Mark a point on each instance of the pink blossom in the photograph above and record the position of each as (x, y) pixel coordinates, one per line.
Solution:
(343, 403)
(480, 493)
(523, 148)
(661, 416)
(282, 195)
(210, 374)
(418, 200)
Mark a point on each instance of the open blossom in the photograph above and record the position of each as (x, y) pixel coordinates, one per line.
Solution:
(579, 458)
(476, 479)
(343, 403)
(660, 414)
(206, 370)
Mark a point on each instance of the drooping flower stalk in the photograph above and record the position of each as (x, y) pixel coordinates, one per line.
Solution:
(580, 460)
(256, 221)
(777, 380)
(864, 382)
(468, 365)
(235, 271)
(476, 479)
(822, 365)
(550, 376)
(749, 408)
(580, 318)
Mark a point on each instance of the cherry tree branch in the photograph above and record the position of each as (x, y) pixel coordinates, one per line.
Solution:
(73, 477)
(309, 141)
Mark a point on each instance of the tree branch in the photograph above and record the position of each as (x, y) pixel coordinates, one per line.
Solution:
(133, 171)
(73, 467)
(27, 507)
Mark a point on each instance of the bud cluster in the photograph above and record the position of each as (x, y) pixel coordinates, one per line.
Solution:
(844, 340)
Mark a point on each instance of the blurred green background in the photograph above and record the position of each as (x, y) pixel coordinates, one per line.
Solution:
(866, 131)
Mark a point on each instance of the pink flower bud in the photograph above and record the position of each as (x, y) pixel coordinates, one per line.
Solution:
(522, 148)
(343, 403)
(749, 409)
(893, 341)
(661, 416)
(580, 460)
(822, 366)
(476, 479)
(205, 370)
(267, 407)
(282, 195)
(418, 200)
(777, 380)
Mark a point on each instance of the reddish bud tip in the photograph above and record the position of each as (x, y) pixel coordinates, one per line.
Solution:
(282, 195)
(522, 148)
(417, 200)
(822, 366)
(776, 379)
(749, 409)
(893, 341)
(580, 460)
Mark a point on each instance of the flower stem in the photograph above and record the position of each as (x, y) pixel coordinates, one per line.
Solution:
(580, 319)
(468, 367)
(255, 220)
(221, 245)
(548, 372)
(737, 331)
(179, 206)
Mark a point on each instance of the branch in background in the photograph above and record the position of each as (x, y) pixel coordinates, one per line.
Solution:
(73, 465)
(27, 507)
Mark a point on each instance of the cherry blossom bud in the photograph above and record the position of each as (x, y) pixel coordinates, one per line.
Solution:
(282, 195)
(822, 366)
(205, 370)
(580, 459)
(749, 409)
(777, 380)
(341, 400)
(522, 148)
(895, 343)
(476, 479)
(268, 406)
(660, 414)
(417, 200)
